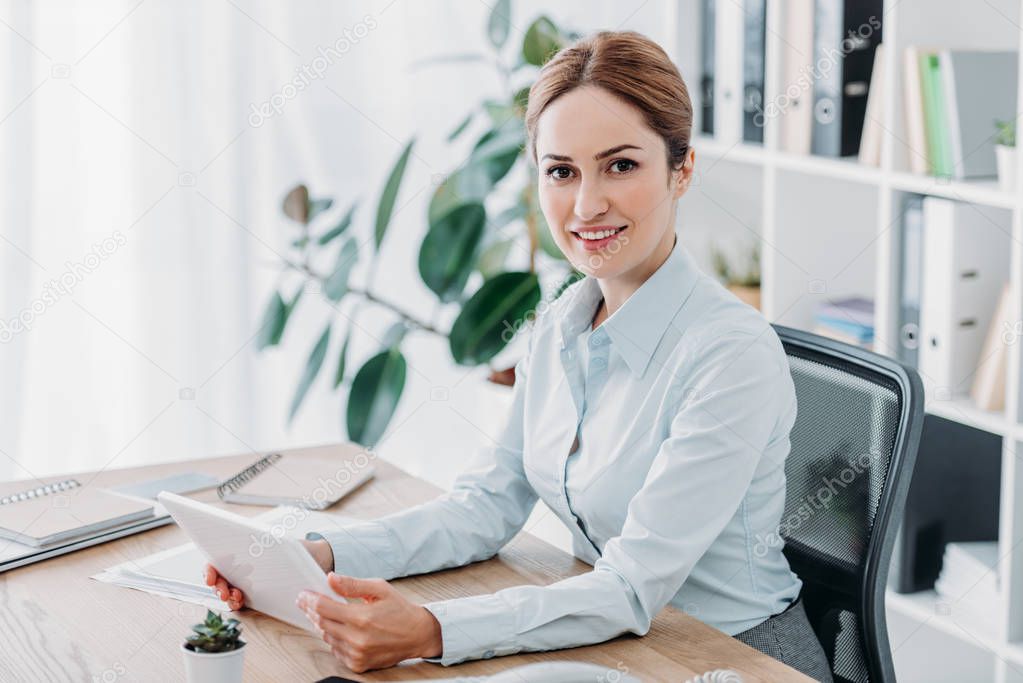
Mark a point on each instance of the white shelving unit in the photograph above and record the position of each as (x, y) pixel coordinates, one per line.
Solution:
(829, 228)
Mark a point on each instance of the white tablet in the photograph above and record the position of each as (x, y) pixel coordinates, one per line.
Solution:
(270, 569)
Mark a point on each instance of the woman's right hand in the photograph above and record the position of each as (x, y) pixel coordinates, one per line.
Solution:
(235, 599)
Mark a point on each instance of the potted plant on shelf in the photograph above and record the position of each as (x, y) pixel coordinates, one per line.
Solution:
(214, 652)
(744, 284)
(477, 215)
(1005, 154)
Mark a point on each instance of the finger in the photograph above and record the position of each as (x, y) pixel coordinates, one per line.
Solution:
(210, 575)
(351, 587)
(236, 600)
(316, 604)
(222, 589)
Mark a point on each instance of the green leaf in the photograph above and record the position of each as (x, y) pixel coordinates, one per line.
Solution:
(448, 251)
(467, 185)
(374, 397)
(338, 229)
(336, 284)
(545, 239)
(318, 206)
(274, 319)
(572, 277)
(512, 213)
(339, 374)
(499, 24)
(296, 204)
(492, 316)
(543, 232)
(500, 113)
(460, 128)
(395, 333)
(312, 367)
(541, 42)
(497, 151)
(294, 302)
(491, 261)
(390, 194)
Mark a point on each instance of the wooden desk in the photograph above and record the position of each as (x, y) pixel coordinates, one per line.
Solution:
(57, 624)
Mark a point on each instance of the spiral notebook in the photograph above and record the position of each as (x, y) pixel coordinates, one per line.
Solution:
(65, 511)
(312, 478)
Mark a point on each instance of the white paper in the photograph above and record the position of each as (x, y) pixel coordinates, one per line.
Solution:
(178, 572)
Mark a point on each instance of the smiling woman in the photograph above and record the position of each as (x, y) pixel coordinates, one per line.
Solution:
(651, 413)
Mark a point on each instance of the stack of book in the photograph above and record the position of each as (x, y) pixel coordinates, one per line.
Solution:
(828, 58)
(847, 320)
(968, 581)
(953, 100)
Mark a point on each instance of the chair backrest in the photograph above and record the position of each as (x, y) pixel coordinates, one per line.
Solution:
(854, 444)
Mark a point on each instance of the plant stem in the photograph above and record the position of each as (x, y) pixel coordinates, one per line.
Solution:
(369, 296)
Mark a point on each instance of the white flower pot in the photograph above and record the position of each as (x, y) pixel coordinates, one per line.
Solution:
(214, 667)
(1005, 160)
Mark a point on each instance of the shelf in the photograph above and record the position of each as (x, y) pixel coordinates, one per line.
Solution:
(743, 152)
(932, 611)
(963, 411)
(843, 168)
(837, 220)
(975, 191)
(985, 192)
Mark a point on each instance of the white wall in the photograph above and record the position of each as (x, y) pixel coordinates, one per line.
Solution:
(108, 112)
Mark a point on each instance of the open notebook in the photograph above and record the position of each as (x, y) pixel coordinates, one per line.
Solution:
(314, 478)
(65, 511)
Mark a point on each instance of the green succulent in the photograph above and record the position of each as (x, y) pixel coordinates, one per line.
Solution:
(215, 635)
(1006, 133)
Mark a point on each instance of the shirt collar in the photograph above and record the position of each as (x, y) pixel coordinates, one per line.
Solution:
(637, 327)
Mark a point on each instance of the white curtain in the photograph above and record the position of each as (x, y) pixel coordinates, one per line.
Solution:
(140, 224)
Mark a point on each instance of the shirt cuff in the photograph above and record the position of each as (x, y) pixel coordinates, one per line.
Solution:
(479, 627)
(364, 550)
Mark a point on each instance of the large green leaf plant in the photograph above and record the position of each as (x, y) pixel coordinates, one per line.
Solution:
(476, 216)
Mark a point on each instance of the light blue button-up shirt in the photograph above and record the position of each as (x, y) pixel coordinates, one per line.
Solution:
(682, 402)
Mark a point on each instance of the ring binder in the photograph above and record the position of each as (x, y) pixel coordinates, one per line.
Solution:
(240, 479)
(40, 491)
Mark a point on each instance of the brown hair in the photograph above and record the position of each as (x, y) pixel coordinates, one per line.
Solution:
(626, 64)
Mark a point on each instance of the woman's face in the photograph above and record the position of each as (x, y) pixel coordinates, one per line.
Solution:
(601, 170)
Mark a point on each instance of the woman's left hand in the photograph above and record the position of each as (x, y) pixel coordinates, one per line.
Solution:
(379, 632)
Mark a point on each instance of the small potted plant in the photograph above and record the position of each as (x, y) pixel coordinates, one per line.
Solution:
(214, 653)
(745, 285)
(1005, 154)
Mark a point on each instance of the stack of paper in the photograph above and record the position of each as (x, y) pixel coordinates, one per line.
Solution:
(849, 320)
(968, 581)
(179, 572)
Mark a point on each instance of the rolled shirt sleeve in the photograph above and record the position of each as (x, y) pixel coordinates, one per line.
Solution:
(695, 485)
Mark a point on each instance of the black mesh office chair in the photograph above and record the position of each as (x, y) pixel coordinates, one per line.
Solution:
(853, 448)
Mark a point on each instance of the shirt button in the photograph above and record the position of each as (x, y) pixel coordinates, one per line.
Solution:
(488, 654)
(598, 362)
